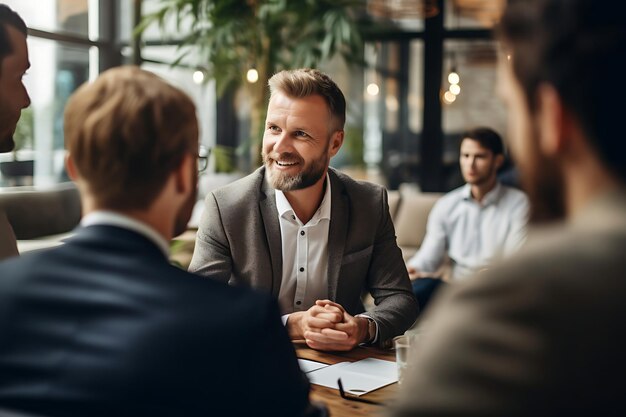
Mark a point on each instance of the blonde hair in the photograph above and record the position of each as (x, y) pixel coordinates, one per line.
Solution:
(305, 82)
(126, 132)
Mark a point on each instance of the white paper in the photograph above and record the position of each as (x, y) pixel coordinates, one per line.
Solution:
(359, 377)
(309, 366)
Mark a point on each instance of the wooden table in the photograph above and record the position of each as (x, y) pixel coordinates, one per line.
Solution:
(337, 406)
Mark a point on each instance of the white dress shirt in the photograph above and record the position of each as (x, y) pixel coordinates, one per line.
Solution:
(472, 233)
(305, 255)
(111, 218)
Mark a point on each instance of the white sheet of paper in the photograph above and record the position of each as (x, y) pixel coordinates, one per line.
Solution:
(359, 377)
(308, 366)
(376, 367)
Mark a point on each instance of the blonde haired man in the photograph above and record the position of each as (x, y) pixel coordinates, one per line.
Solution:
(309, 235)
(104, 325)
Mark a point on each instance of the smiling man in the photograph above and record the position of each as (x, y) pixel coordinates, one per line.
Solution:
(309, 235)
(13, 98)
(473, 224)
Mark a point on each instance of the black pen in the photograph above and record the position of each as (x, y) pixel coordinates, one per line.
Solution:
(354, 397)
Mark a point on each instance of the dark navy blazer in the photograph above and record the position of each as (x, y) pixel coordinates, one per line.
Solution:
(104, 326)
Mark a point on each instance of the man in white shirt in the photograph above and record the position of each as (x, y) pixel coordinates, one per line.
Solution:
(473, 224)
(311, 236)
(13, 98)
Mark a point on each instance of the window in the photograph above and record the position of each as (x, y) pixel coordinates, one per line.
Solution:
(476, 103)
(157, 55)
(65, 49)
(474, 14)
(67, 16)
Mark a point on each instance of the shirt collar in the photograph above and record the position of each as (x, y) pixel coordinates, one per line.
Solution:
(490, 198)
(111, 218)
(323, 211)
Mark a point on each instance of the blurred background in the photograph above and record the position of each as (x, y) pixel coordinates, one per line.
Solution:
(416, 74)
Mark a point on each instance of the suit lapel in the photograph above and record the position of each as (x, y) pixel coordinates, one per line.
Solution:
(337, 232)
(269, 213)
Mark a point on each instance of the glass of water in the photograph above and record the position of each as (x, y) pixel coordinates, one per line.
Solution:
(402, 347)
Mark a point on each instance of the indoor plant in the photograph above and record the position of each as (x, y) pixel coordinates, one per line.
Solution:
(228, 38)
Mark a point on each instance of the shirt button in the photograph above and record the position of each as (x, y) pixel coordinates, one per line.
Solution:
(301, 269)
(298, 303)
(302, 233)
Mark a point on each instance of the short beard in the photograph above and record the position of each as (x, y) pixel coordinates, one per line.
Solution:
(7, 126)
(7, 144)
(304, 179)
(184, 214)
(482, 180)
(543, 182)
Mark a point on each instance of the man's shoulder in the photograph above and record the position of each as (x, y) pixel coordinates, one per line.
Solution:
(456, 194)
(356, 187)
(248, 186)
(451, 198)
(513, 194)
(23, 264)
(61, 267)
(565, 257)
(566, 279)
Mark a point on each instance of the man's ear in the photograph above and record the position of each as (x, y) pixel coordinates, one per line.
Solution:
(499, 160)
(183, 175)
(555, 122)
(336, 140)
(72, 172)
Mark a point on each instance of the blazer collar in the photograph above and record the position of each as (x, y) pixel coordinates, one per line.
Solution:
(119, 239)
(337, 234)
(267, 206)
(112, 218)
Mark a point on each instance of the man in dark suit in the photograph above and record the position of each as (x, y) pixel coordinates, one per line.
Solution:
(542, 334)
(104, 325)
(13, 98)
(309, 235)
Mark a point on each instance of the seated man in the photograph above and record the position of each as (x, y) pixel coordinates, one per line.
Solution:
(104, 325)
(13, 98)
(309, 235)
(473, 224)
(542, 333)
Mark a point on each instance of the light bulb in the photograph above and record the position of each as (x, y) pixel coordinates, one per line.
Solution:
(453, 78)
(372, 89)
(198, 77)
(252, 76)
(448, 97)
(455, 89)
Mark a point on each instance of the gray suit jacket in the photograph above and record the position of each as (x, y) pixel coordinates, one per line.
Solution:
(239, 242)
(541, 334)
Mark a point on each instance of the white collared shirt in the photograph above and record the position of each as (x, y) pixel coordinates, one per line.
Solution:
(473, 234)
(305, 254)
(111, 218)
